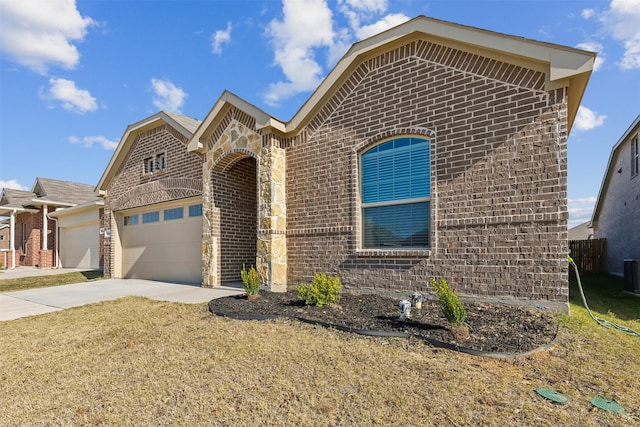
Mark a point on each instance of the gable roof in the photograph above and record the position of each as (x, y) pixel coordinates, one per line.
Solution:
(615, 152)
(13, 199)
(183, 124)
(62, 192)
(581, 232)
(45, 191)
(563, 65)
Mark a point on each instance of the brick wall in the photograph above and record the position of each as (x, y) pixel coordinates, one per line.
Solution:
(498, 162)
(33, 255)
(131, 187)
(234, 193)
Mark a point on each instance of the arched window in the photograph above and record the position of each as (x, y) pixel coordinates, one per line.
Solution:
(396, 193)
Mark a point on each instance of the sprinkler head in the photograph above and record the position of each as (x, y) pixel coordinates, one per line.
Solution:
(405, 309)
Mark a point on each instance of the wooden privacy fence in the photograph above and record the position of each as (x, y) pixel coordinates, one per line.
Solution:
(589, 255)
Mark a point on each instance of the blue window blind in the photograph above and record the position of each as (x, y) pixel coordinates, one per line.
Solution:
(396, 170)
(175, 213)
(148, 217)
(396, 189)
(195, 210)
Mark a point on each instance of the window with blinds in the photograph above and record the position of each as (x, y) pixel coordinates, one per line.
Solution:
(396, 193)
(175, 213)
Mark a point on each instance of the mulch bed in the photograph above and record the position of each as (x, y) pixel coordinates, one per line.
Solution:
(494, 328)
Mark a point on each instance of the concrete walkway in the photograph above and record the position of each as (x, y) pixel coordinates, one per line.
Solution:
(14, 305)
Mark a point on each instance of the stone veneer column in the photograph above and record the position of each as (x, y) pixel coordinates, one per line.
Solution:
(211, 263)
(271, 259)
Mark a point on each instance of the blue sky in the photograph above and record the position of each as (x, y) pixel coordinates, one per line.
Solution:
(75, 74)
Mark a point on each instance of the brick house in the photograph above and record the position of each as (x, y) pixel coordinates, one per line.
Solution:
(152, 188)
(432, 149)
(616, 215)
(33, 235)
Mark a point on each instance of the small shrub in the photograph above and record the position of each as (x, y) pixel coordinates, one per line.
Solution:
(250, 280)
(322, 291)
(450, 303)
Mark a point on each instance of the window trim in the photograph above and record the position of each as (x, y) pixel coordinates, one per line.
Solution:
(148, 165)
(401, 251)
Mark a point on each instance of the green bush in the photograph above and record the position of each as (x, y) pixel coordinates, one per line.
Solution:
(322, 291)
(250, 280)
(450, 303)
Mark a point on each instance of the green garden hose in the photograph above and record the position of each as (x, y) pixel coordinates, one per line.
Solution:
(601, 321)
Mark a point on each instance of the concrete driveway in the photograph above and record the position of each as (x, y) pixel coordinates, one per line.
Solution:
(14, 305)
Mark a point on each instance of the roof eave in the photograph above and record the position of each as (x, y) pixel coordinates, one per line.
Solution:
(608, 171)
(97, 204)
(127, 139)
(563, 62)
(227, 101)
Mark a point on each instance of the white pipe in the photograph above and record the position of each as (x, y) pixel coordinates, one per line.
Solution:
(12, 238)
(57, 242)
(45, 226)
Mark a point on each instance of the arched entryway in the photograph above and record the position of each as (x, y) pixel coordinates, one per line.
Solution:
(234, 190)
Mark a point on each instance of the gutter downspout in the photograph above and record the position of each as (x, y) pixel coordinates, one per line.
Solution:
(12, 238)
(56, 242)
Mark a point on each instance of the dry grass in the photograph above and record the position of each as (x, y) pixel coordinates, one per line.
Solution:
(22, 283)
(140, 362)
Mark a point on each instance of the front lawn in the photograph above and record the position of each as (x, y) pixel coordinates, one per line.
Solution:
(22, 283)
(135, 361)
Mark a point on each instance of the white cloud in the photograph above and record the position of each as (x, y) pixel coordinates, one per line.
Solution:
(583, 200)
(580, 210)
(219, 38)
(40, 33)
(622, 22)
(594, 47)
(296, 48)
(587, 119)
(294, 45)
(12, 183)
(70, 97)
(89, 141)
(168, 97)
(383, 24)
(588, 13)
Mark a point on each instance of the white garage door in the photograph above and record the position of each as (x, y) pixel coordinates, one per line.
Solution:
(79, 246)
(161, 246)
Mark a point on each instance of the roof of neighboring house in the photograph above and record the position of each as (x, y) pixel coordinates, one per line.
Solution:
(564, 66)
(615, 151)
(183, 124)
(581, 232)
(15, 199)
(63, 192)
(45, 191)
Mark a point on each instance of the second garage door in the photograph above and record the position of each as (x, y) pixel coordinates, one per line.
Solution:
(163, 243)
(80, 246)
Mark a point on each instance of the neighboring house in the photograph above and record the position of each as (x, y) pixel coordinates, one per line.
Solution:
(432, 149)
(153, 202)
(581, 232)
(33, 235)
(616, 215)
